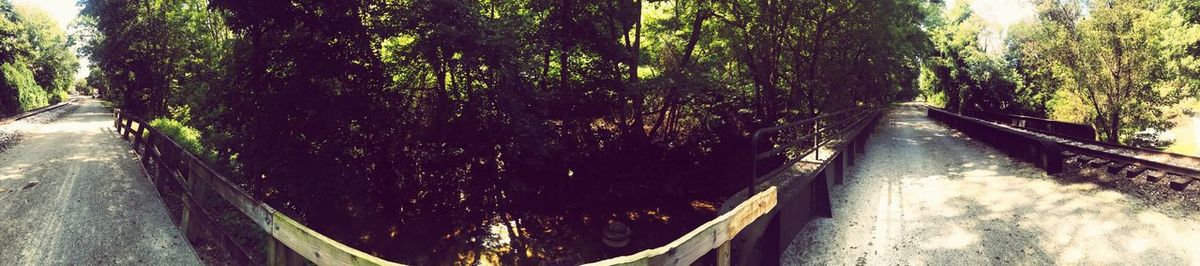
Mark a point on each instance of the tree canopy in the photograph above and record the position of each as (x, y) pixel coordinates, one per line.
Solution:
(37, 66)
(1121, 66)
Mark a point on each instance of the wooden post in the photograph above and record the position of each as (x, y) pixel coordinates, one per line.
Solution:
(850, 151)
(128, 127)
(279, 254)
(839, 168)
(723, 254)
(188, 222)
(117, 120)
(138, 137)
(148, 150)
(185, 219)
(860, 142)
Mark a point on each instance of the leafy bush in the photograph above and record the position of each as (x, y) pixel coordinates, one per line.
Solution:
(19, 91)
(58, 97)
(187, 137)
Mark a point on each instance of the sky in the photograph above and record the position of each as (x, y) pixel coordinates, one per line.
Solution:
(63, 11)
(999, 14)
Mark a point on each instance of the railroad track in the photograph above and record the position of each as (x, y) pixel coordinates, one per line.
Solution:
(1179, 172)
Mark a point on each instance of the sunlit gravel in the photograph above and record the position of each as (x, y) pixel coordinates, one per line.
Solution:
(931, 196)
(72, 192)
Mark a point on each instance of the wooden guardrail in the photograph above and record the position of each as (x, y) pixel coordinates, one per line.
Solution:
(715, 234)
(755, 220)
(290, 242)
(750, 233)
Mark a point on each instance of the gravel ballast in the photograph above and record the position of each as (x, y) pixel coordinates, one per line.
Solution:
(72, 192)
(928, 195)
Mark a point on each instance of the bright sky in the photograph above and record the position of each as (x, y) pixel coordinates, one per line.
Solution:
(63, 11)
(999, 14)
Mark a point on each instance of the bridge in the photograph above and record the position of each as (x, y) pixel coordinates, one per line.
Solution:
(907, 184)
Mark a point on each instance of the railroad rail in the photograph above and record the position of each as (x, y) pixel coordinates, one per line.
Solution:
(33, 112)
(1118, 161)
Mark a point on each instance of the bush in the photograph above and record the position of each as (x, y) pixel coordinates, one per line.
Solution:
(58, 97)
(19, 91)
(187, 137)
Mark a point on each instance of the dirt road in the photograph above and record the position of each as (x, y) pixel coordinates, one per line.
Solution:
(929, 196)
(72, 192)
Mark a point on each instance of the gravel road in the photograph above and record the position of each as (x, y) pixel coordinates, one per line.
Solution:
(72, 192)
(931, 196)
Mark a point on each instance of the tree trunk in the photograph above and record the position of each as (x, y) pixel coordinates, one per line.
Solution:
(637, 131)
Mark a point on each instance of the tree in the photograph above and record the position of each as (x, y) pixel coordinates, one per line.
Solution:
(53, 63)
(1114, 59)
(37, 66)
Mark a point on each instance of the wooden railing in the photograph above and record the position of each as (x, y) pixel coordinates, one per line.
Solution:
(760, 214)
(756, 230)
(715, 234)
(289, 242)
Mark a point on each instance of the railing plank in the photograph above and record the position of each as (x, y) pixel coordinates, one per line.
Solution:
(706, 237)
(316, 247)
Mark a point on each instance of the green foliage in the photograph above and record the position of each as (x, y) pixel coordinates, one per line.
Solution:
(58, 97)
(1123, 62)
(187, 137)
(25, 93)
(408, 104)
(52, 61)
(38, 66)
(1119, 65)
(150, 55)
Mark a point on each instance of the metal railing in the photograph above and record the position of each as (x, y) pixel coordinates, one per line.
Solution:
(821, 126)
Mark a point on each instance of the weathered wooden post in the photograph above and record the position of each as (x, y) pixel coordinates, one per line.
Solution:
(148, 149)
(279, 254)
(860, 141)
(187, 221)
(723, 253)
(138, 137)
(128, 127)
(850, 147)
(838, 167)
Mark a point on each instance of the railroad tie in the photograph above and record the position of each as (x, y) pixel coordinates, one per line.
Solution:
(1134, 170)
(1115, 167)
(1081, 160)
(1153, 176)
(1097, 163)
(1178, 182)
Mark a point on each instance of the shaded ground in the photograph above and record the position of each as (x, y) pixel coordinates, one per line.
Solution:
(934, 197)
(71, 192)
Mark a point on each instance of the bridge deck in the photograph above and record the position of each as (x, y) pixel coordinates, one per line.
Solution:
(925, 195)
(91, 203)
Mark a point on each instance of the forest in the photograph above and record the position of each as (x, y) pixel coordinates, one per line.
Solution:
(37, 64)
(1127, 68)
(367, 119)
(423, 130)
